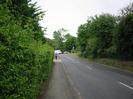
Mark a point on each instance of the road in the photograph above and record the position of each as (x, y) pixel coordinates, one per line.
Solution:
(84, 80)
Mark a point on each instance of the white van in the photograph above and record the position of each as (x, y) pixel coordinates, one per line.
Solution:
(57, 52)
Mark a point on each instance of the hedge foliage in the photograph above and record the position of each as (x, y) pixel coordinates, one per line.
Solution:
(24, 61)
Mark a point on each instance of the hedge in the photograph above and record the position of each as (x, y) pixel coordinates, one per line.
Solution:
(24, 62)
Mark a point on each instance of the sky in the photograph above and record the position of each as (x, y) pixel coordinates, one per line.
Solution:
(70, 14)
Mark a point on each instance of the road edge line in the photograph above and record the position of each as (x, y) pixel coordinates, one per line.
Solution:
(72, 84)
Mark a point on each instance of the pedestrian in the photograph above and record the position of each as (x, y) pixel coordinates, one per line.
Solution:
(56, 56)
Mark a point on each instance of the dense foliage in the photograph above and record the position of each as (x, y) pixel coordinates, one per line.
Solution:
(96, 35)
(25, 60)
(70, 43)
(125, 37)
(108, 36)
(82, 38)
(58, 39)
(64, 41)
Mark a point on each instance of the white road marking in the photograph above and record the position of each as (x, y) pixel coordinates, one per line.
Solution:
(126, 85)
(89, 68)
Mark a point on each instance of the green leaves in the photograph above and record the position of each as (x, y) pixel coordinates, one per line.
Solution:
(96, 35)
(58, 39)
(124, 36)
(25, 62)
(64, 41)
(108, 36)
(70, 43)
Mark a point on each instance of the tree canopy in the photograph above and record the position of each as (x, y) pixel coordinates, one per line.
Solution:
(106, 35)
(64, 41)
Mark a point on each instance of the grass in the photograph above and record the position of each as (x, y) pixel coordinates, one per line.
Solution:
(124, 65)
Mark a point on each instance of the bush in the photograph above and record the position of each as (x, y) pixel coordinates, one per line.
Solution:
(24, 62)
(23, 69)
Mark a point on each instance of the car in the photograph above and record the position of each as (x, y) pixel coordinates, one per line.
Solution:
(57, 52)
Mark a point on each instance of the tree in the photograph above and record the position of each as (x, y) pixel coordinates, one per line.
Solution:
(58, 39)
(96, 35)
(127, 10)
(70, 42)
(28, 15)
(83, 37)
(102, 29)
(124, 37)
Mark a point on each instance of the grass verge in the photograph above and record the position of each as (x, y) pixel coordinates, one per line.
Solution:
(121, 64)
(125, 65)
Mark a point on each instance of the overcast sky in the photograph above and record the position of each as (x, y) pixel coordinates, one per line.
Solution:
(69, 14)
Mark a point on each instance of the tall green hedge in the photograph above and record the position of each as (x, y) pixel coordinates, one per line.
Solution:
(24, 62)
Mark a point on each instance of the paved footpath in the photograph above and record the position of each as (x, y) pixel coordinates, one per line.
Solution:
(59, 86)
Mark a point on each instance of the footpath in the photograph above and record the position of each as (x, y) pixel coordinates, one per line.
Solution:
(59, 86)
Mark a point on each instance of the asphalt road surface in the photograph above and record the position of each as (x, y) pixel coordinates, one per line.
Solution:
(75, 78)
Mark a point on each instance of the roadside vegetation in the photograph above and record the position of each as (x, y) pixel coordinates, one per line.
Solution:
(109, 38)
(123, 64)
(25, 56)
